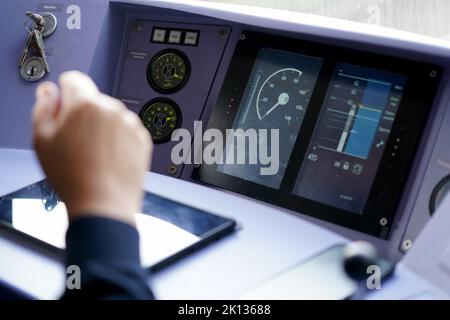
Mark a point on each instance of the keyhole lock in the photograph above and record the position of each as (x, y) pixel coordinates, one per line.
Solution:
(33, 69)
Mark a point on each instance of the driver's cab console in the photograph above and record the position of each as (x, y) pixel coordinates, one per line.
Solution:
(309, 132)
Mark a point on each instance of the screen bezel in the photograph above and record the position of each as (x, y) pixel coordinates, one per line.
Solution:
(377, 216)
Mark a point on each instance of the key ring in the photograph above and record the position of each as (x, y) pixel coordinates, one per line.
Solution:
(25, 24)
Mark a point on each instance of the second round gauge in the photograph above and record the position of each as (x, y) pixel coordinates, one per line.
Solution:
(168, 71)
(161, 117)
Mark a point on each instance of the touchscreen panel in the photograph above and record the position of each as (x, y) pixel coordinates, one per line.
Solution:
(276, 97)
(349, 127)
(348, 143)
(165, 227)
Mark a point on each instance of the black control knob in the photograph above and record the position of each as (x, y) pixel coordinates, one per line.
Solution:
(358, 256)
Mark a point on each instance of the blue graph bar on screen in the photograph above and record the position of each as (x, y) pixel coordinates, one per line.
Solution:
(367, 118)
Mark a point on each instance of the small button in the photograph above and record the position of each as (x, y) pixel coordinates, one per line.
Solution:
(159, 35)
(175, 36)
(191, 38)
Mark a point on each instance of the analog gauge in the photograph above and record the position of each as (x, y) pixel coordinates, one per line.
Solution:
(168, 71)
(283, 93)
(161, 117)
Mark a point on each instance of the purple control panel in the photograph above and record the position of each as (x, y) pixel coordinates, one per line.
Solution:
(147, 39)
(116, 41)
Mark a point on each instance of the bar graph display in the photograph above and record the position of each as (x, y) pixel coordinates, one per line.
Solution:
(348, 142)
(353, 111)
(363, 119)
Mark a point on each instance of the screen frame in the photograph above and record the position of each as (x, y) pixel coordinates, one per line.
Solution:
(393, 170)
(206, 238)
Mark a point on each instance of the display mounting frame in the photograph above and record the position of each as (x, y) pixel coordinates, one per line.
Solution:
(393, 170)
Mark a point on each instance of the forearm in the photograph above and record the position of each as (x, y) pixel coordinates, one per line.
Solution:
(107, 253)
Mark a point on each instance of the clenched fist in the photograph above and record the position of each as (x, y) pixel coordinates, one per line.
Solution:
(93, 150)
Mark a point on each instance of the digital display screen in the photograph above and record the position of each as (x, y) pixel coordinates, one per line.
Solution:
(349, 122)
(277, 96)
(350, 136)
(165, 227)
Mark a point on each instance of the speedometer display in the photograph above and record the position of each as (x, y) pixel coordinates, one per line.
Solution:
(283, 92)
(276, 97)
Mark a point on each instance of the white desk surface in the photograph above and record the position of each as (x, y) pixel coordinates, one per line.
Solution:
(270, 241)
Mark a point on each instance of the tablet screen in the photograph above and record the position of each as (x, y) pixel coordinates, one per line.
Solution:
(166, 228)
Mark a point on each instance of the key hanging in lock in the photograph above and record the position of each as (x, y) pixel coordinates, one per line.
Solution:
(47, 26)
(35, 67)
(37, 19)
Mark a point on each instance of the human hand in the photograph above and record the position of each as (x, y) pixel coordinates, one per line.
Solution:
(93, 150)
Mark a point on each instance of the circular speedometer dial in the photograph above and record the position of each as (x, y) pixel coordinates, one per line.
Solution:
(168, 71)
(161, 117)
(282, 92)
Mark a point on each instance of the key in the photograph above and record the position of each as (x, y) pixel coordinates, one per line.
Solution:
(38, 43)
(39, 25)
(25, 51)
(37, 19)
(34, 68)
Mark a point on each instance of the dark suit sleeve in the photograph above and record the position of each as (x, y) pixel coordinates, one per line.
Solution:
(107, 254)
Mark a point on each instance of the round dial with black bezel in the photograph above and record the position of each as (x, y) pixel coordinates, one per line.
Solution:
(161, 117)
(168, 71)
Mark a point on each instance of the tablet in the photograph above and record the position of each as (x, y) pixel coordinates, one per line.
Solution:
(168, 229)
